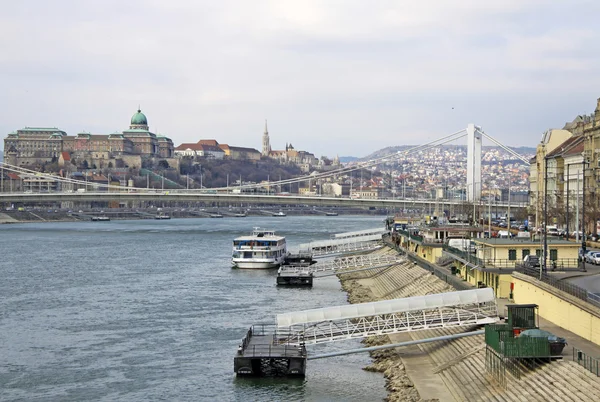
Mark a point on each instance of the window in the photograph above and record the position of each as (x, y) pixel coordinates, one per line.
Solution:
(538, 252)
(512, 254)
(553, 254)
(524, 253)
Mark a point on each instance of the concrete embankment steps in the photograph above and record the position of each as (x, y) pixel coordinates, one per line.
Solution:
(7, 219)
(461, 362)
(574, 377)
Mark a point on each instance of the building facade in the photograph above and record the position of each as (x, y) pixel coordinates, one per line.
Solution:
(566, 170)
(213, 150)
(32, 145)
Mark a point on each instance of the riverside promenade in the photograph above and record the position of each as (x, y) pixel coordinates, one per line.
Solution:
(454, 370)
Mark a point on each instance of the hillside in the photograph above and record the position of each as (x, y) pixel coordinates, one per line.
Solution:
(525, 151)
(216, 173)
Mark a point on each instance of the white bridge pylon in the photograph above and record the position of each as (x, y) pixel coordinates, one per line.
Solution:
(442, 310)
(345, 264)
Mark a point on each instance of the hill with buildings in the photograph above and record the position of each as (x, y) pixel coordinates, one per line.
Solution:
(462, 149)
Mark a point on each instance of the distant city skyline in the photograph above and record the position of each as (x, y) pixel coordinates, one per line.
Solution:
(334, 77)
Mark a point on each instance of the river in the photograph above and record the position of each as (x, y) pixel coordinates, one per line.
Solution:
(151, 310)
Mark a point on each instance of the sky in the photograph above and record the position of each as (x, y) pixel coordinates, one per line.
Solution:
(332, 77)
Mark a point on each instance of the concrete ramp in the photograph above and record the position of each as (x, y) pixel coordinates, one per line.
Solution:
(7, 219)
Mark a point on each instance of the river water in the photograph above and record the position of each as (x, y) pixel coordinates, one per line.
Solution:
(151, 310)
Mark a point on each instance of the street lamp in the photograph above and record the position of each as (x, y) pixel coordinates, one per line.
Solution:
(543, 265)
(583, 234)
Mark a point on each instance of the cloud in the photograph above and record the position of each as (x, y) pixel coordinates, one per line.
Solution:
(327, 74)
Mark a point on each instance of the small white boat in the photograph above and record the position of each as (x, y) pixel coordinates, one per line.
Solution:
(261, 250)
(162, 216)
(280, 213)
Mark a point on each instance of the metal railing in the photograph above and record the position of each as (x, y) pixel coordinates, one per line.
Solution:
(275, 351)
(469, 257)
(567, 287)
(277, 346)
(442, 273)
(410, 235)
(592, 364)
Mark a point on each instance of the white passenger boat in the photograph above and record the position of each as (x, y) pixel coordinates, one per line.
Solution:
(263, 249)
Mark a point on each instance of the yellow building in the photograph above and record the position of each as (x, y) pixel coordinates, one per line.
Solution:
(494, 260)
(428, 242)
(506, 253)
(495, 278)
(551, 140)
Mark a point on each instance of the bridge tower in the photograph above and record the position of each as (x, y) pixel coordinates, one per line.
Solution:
(473, 164)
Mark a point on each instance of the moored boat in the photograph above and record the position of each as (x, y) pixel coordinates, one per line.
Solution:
(261, 250)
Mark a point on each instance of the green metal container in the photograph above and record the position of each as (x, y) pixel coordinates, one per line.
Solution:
(522, 316)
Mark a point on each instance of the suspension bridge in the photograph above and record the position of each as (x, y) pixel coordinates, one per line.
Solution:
(64, 189)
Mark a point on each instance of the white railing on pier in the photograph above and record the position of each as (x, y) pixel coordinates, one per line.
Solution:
(451, 309)
(333, 242)
(343, 264)
(350, 247)
(359, 233)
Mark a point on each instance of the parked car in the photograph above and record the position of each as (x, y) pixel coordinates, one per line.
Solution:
(590, 255)
(596, 259)
(587, 255)
(531, 261)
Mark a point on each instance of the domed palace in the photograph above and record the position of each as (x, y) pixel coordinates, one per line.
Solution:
(127, 148)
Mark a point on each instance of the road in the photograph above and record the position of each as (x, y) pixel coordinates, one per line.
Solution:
(591, 282)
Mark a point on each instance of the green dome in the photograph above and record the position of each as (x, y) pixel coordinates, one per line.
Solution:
(139, 118)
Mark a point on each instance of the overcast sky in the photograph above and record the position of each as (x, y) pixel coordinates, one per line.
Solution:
(332, 77)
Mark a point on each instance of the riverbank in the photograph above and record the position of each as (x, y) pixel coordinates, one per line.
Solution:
(454, 370)
(63, 215)
(364, 288)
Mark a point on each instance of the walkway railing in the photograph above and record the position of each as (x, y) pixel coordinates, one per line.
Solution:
(442, 273)
(592, 364)
(567, 287)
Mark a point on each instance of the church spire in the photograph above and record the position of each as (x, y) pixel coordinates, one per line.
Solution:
(266, 145)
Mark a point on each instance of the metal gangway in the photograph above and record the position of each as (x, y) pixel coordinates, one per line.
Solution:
(329, 248)
(360, 233)
(442, 310)
(340, 265)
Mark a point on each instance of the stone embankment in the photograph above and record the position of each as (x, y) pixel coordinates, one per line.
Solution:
(454, 370)
(28, 215)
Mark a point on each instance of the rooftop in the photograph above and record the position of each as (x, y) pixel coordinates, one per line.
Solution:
(523, 240)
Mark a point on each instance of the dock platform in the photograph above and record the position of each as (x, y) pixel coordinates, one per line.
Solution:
(295, 270)
(295, 278)
(261, 354)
